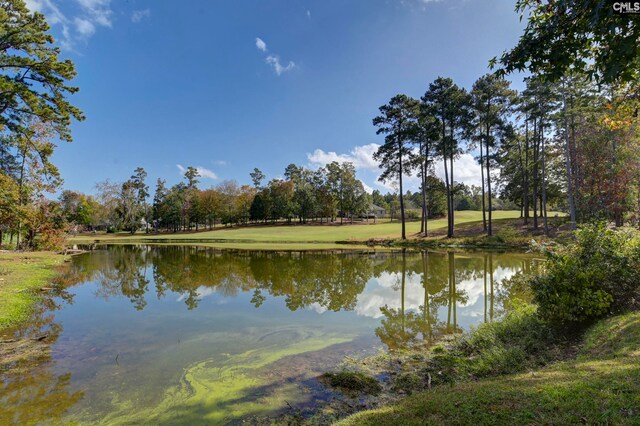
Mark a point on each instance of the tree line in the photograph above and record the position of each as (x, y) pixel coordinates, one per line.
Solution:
(328, 193)
(571, 142)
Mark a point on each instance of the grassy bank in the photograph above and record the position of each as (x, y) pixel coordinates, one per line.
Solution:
(599, 385)
(21, 277)
(468, 226)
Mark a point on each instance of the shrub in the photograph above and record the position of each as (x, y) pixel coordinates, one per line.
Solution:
(412, 214)
(597, 275)
(50, 239)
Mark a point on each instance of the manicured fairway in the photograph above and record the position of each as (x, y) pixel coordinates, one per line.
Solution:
(298, 233)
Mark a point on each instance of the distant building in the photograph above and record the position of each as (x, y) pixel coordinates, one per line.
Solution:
(377, 211)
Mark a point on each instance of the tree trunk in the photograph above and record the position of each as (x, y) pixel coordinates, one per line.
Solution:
(535, 175)
(525, 171)
(574, 160)
(567, 155)
(489, 227)
(484, 209)
(446, 179)
(544, 183)
(404, 235)
(424, 192)
(424, 205)
(451, 154)
(452, 186)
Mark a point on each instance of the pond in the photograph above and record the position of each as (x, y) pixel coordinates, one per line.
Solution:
(183, 334)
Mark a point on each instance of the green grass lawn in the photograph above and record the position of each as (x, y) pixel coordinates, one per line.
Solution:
(21, 275)
(256, 246)
(600, 386)
(301, 234)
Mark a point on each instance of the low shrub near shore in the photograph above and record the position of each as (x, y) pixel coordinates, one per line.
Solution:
(595, 276)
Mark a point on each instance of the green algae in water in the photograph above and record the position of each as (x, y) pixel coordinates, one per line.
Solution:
(217, 391)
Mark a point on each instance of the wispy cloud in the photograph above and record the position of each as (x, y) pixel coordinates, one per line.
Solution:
(220, 163)
(202, 171)
(309, 14)
(419, 4)
(84, 27)
(99, 11)
(139, 15)
(260, 44)
(274, 60)
(79, 27)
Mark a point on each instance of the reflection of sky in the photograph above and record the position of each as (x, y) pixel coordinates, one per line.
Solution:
(385, 290)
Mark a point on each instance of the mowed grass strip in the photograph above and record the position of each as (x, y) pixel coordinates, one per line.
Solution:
(21, 277)
(305, 233)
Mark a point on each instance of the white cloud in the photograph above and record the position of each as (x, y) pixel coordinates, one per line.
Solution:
(99, 11)
(54, 16)
(360, 156)
(202, 171)
(261, 45)
(84, 27)
(274, 61)
(78, 28)
(466, 168)
(309, 14)
(139, 15)
(220, 163)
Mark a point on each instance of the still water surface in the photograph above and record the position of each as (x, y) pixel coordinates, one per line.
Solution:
(175, 335)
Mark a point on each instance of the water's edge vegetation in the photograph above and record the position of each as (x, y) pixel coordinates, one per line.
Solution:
(598, 382)
(24, 277)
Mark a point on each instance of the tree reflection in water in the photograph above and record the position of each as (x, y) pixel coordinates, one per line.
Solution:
(325, 281)
(31, 391)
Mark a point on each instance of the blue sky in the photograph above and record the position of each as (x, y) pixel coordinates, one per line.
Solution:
(232, 85)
